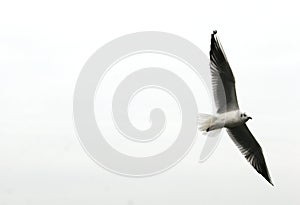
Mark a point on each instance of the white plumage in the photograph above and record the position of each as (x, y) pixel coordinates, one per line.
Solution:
(229, 115)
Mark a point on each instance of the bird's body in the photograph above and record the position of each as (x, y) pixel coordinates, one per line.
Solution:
(223, 120)
(228, 114)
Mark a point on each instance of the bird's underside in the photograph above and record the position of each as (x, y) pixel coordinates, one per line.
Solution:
(228, 113)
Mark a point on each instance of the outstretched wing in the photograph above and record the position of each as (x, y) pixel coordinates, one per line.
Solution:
(223, 81)
(250, 148)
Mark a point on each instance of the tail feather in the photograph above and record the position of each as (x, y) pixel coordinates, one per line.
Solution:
(204, 121)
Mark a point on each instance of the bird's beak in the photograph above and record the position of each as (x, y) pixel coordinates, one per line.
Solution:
(250, 118)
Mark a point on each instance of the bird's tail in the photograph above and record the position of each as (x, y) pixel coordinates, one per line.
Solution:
(205, 121)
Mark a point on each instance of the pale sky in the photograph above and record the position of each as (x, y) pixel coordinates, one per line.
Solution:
(43, 47)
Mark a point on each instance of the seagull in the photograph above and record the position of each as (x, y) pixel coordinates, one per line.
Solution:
(228, 114)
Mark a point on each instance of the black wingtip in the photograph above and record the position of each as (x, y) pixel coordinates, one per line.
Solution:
(268, 178)
(214, 32)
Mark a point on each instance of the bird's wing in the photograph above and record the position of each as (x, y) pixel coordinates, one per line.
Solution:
(223, 81)
(250, 148)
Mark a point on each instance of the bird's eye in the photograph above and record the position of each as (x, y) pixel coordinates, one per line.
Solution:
(241, 115)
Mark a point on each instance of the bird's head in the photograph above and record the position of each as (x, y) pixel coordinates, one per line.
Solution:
(245, 117)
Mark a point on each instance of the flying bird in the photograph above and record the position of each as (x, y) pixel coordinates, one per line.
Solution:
(228, 114)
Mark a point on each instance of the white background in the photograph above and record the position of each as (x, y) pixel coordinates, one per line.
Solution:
(43, 46)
